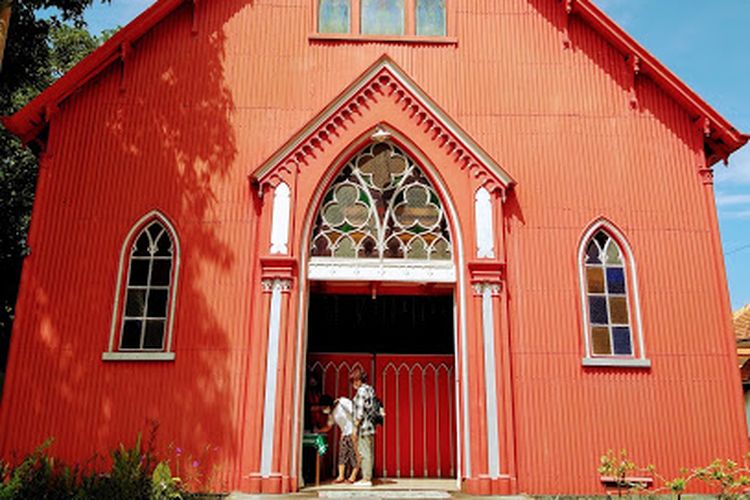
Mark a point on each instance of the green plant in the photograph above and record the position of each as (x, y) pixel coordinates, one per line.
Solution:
(163, 485)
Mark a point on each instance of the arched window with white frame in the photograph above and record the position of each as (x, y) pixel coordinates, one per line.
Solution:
(145, 297)
(609, 297)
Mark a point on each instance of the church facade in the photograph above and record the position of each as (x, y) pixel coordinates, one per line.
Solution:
(502, 211)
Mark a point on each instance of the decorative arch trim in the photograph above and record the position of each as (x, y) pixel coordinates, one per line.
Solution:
(382, 80)
(112, 354)
(638, 358)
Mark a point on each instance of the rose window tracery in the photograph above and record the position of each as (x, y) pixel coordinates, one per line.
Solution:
(382, 206)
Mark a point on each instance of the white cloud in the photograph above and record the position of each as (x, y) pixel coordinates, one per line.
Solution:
(738, 172)
(725, 199)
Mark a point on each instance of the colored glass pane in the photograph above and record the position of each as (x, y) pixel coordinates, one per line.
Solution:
(618, 310)
(592, 254)
(441, 250)
(600, 342)
(345, 248)
(431, 17)
(383, 17)
(333, 16)
(616, 280)
(613, 254)
(595, 279)
(621, 340)
(598, 310)
(382, 200)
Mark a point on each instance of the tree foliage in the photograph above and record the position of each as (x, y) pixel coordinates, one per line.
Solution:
(45, 39)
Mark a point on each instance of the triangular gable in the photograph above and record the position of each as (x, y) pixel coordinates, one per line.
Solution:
(721, 138)
(385, 78)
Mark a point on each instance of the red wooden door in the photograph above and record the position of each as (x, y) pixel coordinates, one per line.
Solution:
(417, 438)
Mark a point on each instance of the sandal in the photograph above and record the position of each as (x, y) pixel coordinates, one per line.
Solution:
(339, 481)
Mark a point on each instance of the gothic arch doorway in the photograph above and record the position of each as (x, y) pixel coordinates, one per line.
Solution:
(383, 244)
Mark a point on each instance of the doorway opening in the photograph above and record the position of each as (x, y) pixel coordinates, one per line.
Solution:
(403, 337)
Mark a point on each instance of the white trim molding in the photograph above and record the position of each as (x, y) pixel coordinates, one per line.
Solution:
(112, 354)
(638, 359)
(485, 226)
(401, 270)
(280, 220)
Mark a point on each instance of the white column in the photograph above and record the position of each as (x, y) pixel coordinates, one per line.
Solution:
(487, 291)
(276, 286)
(280, 220)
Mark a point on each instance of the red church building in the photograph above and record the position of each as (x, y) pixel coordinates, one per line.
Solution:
(501, 210)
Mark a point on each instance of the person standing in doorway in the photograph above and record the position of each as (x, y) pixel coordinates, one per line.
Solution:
(364, 426)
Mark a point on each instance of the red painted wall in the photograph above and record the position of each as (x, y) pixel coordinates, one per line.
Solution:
(192, 115)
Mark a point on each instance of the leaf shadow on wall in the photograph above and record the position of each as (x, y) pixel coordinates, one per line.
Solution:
(161, 138)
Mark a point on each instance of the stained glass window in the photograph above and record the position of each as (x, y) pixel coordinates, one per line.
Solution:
(147, 292)
(334, 16)
(382, 17)
(381, 206)
(607, 297)
(431, 17)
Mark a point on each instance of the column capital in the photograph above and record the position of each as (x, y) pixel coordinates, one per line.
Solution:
(278, 271)
(480, 287)
(487, 271)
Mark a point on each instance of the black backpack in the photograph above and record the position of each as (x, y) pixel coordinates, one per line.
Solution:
(376, 411)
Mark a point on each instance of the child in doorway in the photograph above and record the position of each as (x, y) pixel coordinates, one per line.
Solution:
(343, 415)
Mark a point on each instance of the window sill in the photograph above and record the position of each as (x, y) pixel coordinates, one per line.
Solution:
(414, 39)
(616, 363)
(137, 356)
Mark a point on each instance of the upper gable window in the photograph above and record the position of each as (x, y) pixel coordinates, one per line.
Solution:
(388, 18)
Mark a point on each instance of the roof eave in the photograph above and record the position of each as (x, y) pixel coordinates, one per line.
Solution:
(720, 129)
(31, 120)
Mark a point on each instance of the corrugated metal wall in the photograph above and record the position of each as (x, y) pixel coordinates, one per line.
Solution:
(192, 115)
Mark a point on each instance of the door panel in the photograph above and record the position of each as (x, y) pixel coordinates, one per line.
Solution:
(417, 438)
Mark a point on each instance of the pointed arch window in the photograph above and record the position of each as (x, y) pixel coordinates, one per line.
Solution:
(144, 304)
(382, 206)
(610, 301)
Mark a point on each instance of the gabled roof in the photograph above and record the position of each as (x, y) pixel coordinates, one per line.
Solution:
(721, 138)
(386, 78)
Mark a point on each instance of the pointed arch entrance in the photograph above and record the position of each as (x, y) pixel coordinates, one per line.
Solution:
(382, 242)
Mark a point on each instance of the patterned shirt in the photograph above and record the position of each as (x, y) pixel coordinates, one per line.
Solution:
(363, 402)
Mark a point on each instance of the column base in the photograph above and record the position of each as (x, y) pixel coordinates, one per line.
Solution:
(274, 484)
(485, 485)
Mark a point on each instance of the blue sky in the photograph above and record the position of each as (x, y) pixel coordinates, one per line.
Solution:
(705, 43)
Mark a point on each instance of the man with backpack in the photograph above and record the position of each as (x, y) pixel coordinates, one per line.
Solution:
(367, 413)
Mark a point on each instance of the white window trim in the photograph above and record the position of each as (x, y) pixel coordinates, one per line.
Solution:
(398, 270)
(589, 360)
(112, 353)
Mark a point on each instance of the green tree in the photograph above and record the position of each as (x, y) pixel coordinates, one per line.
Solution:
(40, 48)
